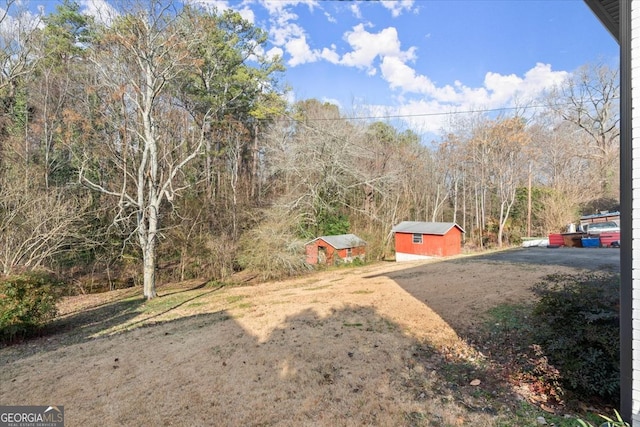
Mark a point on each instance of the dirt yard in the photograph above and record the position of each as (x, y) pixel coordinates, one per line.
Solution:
(373, 345)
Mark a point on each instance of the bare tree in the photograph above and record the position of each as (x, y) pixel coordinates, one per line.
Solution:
(312, 158)
(36, 227)
(137, 59)
(18, 29)
(479, 163)
(17, 32)
(562, 176)
(509, 139)
(492, 155)
(589, 100)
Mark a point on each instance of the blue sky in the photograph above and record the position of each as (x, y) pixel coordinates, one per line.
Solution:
(425, 58)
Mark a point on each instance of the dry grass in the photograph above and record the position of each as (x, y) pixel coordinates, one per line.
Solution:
(376, 345)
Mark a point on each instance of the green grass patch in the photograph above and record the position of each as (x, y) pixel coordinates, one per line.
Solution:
(526, 414)
(164, 303)
(509, 316)
(195, 304)
(459, 373)
(232, 299)
(245, 305)
(352, 325)
(362, 292)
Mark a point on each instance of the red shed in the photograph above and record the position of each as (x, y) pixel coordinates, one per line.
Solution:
(421, 240)
(334, 249)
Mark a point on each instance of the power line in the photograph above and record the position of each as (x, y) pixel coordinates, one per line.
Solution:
(449, 113)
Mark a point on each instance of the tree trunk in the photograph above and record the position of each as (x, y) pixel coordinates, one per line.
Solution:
(529, 202)
(501, 224)
(255, 177)
(149, 274)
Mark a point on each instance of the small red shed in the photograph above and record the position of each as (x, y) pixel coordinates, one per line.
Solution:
(333, 249)
(421, 240)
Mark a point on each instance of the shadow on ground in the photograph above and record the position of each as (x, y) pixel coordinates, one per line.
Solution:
(351, 367)
(85, 324)
(461, 294)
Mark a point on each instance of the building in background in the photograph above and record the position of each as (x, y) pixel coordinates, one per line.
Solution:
(422, 240)
(332, 250)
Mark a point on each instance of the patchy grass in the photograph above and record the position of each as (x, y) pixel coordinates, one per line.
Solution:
(244, 305)
(362, 292)
(317, 288)
(509, 338)
(405, 355)
(232, 299)
(509, 319)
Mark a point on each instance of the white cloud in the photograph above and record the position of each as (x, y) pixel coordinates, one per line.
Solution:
(367, 46)
(210, 5)
(497, 89)
(355, 9)
(428, 105)
(281, 34)
(276, 7)
(242, 8)
(247, 14)
(505, 89)
(18, 23)
(300, 52)
(101, 10)
(273, 52)
(400, 76)
(330, 18)
(332, 101)
(379, 52)
(286, 34)
(398, 6)
(541, 76)
(330, 54)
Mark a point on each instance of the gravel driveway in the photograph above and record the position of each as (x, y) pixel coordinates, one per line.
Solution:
(587, 258)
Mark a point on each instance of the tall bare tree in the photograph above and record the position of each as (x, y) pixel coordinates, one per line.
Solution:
(589, 100)
(509, 140)
(561, 176)
(137, 59)
(18, 28)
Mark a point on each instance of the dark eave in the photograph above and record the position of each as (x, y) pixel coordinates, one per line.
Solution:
(608, 12)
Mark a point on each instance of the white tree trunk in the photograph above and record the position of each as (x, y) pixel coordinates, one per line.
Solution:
(149, 273)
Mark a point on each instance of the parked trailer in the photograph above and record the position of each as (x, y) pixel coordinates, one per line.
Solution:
(601, 217)
(610, 239)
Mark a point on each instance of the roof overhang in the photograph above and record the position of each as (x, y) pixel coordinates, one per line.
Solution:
(608, 12)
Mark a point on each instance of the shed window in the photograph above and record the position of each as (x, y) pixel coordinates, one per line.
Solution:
(349, 252)
(417, 238)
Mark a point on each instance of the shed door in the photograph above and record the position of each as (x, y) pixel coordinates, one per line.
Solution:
(322, 254)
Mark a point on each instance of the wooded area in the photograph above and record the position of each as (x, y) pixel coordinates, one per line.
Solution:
(157, 143)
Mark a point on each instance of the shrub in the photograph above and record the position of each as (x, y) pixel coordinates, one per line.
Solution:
(27, 302)
(576, 322)
(609, 422)
(271, 249)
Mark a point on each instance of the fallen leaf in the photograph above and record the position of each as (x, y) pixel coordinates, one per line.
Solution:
(547, 409)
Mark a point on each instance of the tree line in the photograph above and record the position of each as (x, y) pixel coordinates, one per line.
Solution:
(157, 141)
